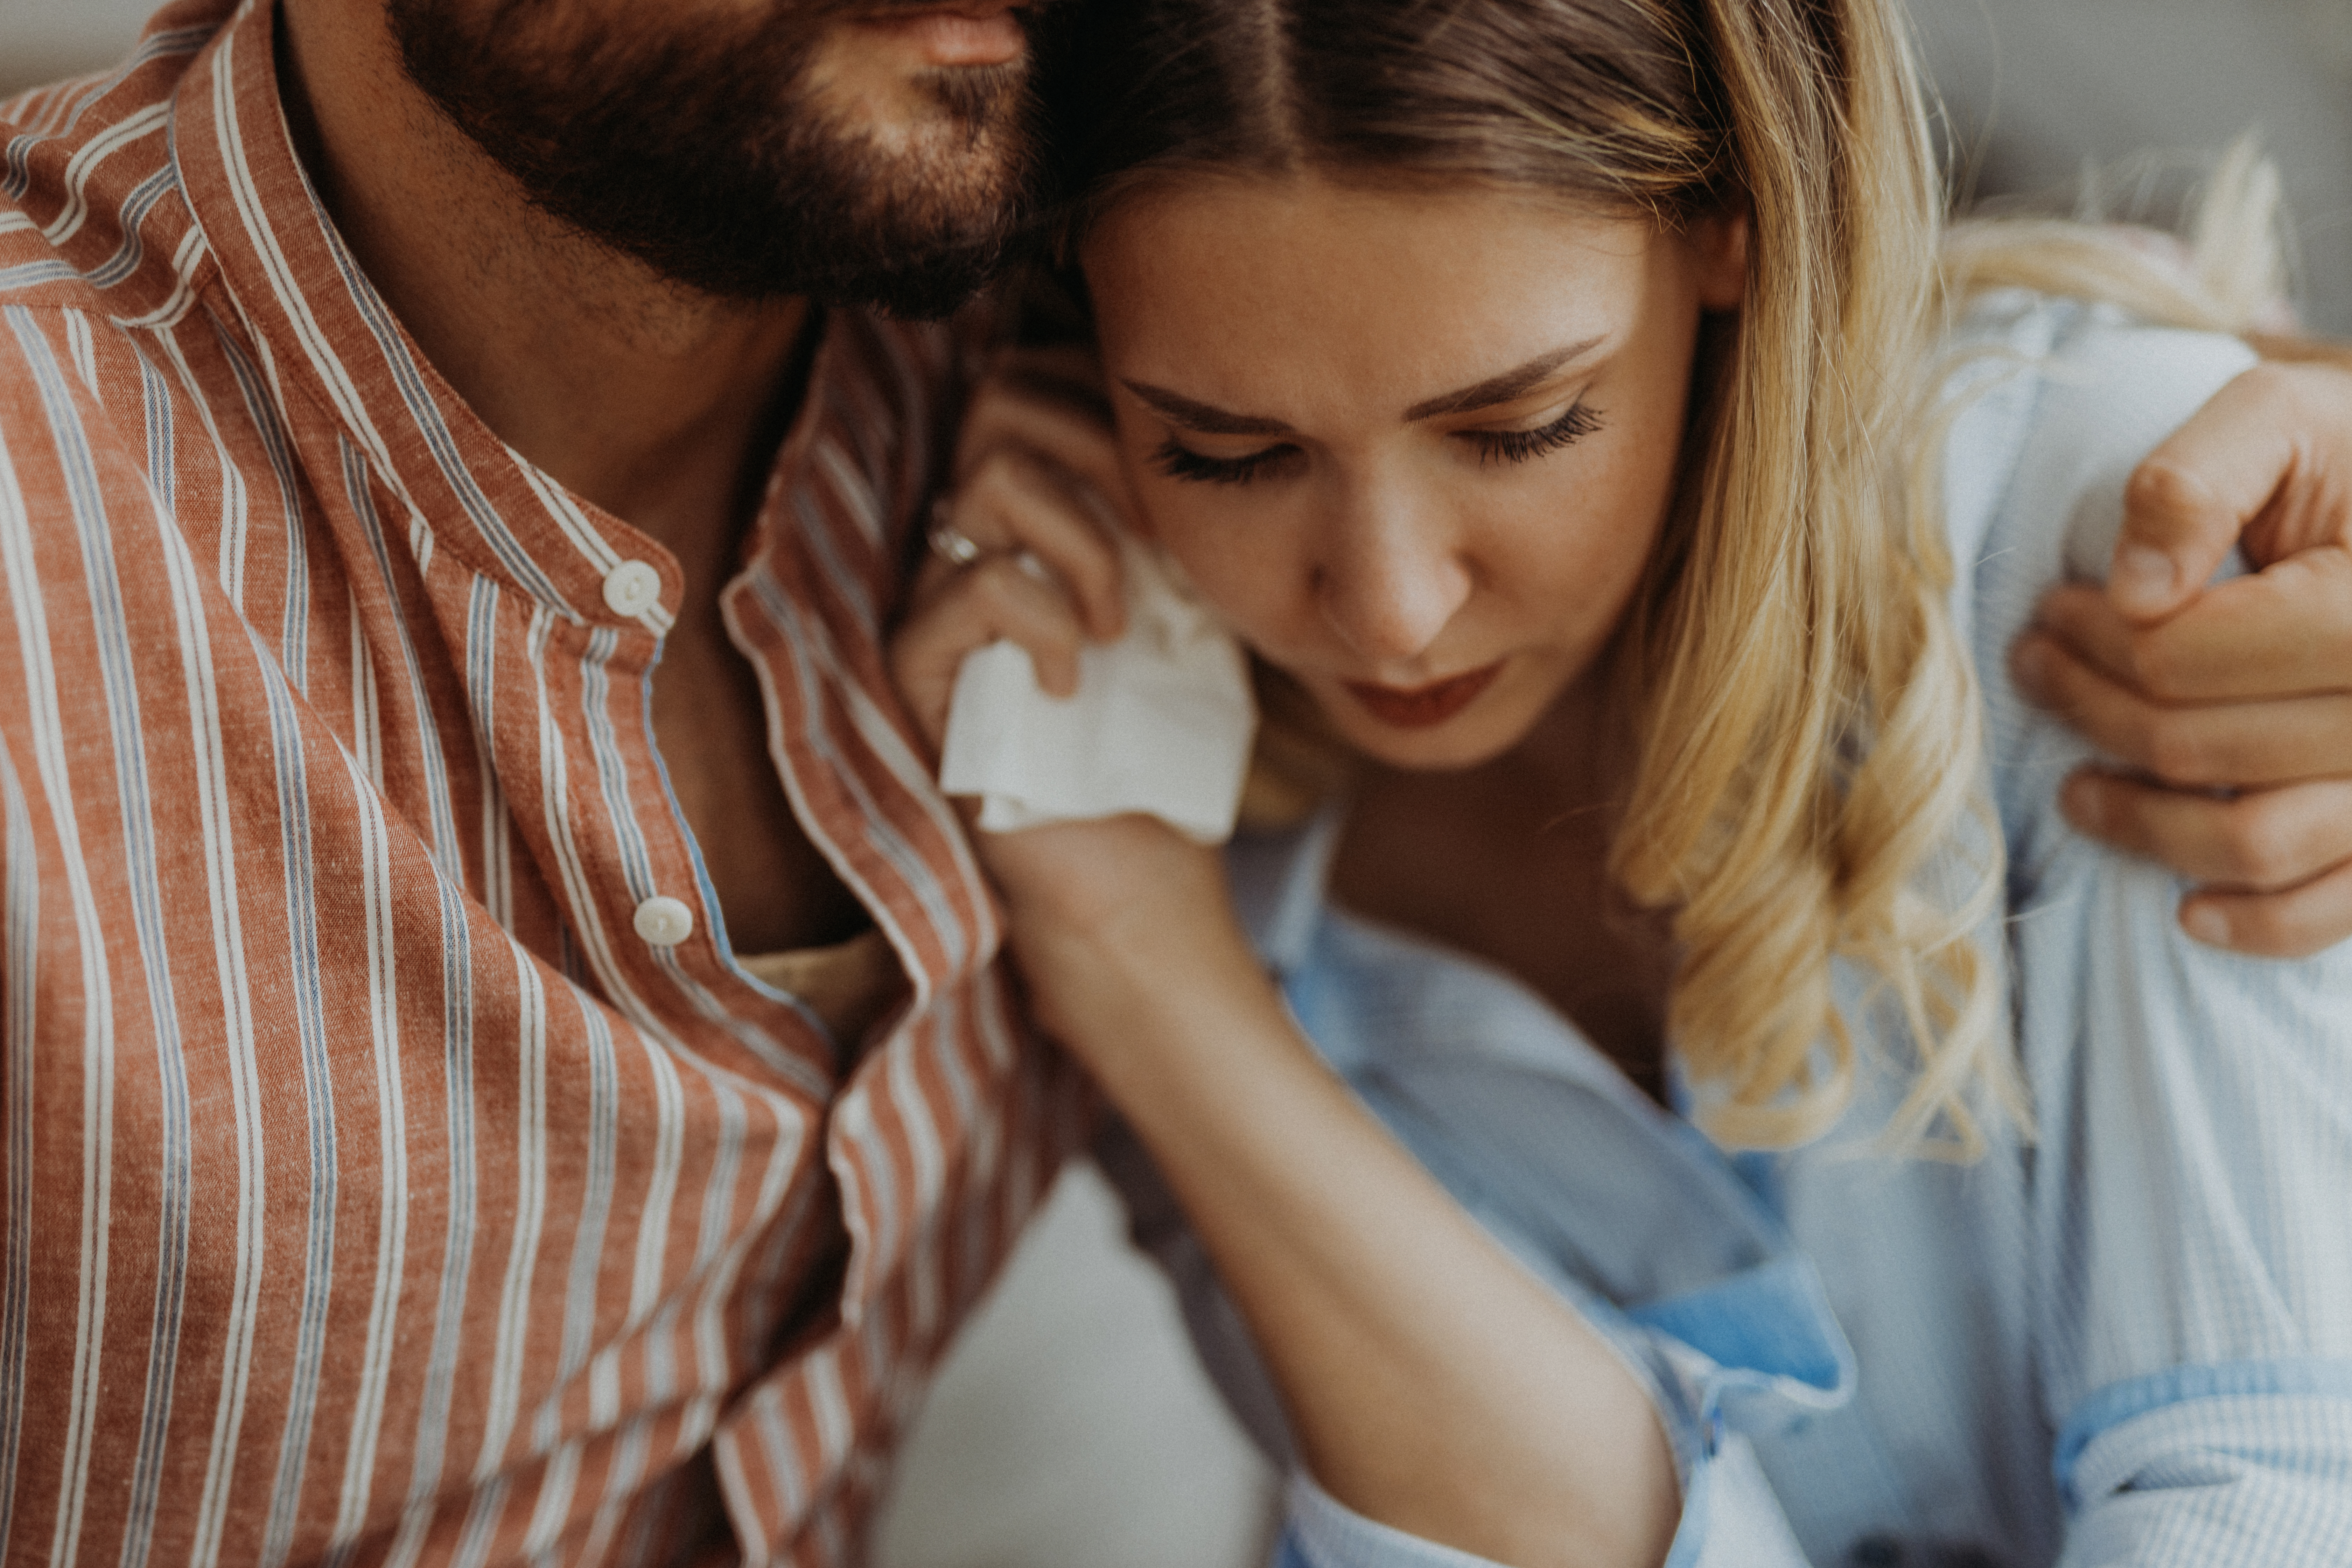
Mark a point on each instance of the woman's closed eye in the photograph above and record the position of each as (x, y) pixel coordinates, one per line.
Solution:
(1178, 461)
(1573, 424)
(1181, 462)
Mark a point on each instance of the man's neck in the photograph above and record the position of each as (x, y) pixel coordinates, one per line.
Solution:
(651, 400)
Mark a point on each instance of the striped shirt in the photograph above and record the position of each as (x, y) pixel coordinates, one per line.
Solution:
(383, 1183)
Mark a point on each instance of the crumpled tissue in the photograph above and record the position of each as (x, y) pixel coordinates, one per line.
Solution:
(1161, 723)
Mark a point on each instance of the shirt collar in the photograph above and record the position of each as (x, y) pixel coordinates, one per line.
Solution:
(329, 340)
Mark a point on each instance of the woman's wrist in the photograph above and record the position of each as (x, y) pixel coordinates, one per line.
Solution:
(1145, 979)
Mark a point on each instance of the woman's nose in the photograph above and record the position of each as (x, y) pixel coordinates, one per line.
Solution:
(1389, 581)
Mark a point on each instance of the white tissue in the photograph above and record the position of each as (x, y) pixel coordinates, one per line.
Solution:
(1161, 723)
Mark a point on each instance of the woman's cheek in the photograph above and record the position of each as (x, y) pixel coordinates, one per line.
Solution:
(1225, 557)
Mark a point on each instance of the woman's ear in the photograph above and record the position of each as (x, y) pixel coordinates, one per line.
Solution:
(1718, 242)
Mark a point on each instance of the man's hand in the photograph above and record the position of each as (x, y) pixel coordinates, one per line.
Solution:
(2237, 698)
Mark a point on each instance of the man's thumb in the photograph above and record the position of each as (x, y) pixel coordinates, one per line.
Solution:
(2187, 503)
(2175, 532)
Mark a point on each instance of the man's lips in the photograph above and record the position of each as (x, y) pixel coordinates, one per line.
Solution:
(1419, 707)
(969, 33)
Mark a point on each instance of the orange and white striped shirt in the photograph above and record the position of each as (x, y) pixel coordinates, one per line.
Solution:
(382, 1182)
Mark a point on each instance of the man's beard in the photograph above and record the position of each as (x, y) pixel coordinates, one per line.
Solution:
(702, 150)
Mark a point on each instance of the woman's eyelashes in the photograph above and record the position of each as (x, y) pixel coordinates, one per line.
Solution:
(1574, 423)
(1181, 462)
(1178, 461)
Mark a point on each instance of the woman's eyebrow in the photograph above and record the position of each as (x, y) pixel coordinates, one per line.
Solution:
(1202, 416)
(1516, 382)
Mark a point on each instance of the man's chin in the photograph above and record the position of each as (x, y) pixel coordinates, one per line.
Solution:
(746, 167)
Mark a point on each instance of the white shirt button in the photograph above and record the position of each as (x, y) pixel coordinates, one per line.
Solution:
(632, 588)
(664, 921)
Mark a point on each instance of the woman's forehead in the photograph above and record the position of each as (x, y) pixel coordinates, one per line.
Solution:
(1396, 211)
(1254, 284)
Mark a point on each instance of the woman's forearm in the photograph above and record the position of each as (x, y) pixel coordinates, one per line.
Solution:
(1432, 1383)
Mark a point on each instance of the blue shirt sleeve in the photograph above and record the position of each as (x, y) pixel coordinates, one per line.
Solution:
(2191, 1210)
(1730, 1519)
(1730, 1331)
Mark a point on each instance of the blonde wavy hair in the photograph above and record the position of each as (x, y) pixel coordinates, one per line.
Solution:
(1809, 786)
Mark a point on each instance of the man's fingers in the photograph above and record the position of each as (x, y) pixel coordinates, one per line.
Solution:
(2284, 631)
(2187, 503)
(2263, 841)
(2088, 628)
(2238, 744)
(2278, 862)
(2295, 923)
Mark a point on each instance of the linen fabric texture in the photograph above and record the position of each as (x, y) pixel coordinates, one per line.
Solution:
(374, 1190)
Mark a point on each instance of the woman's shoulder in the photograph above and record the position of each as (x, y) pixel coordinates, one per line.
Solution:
(2192, 1102)
(2051, 404)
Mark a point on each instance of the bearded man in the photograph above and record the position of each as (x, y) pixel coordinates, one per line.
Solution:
(501, 1052)
(505, 1059)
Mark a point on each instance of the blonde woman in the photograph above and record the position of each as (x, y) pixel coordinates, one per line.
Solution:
(1682, 1094)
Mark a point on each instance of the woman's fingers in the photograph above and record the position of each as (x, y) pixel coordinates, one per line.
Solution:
(1039, 497)
(2244, 744)
(2264, 841)
(1016, 502)
(1050, 403)
(997, 597)
(1075, 440)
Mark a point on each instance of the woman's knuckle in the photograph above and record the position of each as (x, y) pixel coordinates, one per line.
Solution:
(2129, 731)
(996, 582)
(997, 466)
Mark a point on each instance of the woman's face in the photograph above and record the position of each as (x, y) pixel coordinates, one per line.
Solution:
(1418, 447)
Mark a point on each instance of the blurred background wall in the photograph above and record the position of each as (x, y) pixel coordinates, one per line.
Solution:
(2036, 89)
(1070, 1430)
(43, 40)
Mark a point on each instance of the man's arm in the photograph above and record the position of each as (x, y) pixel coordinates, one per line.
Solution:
(2233, 703)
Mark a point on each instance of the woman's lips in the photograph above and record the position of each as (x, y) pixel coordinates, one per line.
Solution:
(1419, 707)
(975, 33)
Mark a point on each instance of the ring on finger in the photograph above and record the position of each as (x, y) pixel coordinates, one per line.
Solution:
(957, 548)
(950, 543)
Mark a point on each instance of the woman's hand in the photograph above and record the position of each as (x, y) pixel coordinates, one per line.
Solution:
(2241, 694)
(1038, 492)
(1097, 906)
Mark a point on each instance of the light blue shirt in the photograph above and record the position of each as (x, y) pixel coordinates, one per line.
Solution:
(2127, 1342)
